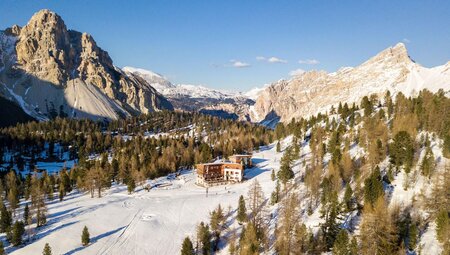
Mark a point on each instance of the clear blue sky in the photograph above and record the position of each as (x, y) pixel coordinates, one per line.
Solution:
(209, 42)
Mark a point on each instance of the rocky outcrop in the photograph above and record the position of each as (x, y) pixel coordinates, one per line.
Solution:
(316, 91)
(48, 55)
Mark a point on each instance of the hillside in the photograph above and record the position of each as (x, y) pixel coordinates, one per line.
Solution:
(316, 91)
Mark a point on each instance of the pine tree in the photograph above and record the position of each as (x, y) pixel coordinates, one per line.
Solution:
(442, 226)
(242, 211)
(26, 214)
(286, 173)
(373, 187)
(216, 223)
(47, 250)
(204, 238)
(348, 198)
(275, 196)
(5, 219)
(2, 248)
(330, 212)
(85, 238)
(278, 149)
(15, 234)
(341, 244)
(353, 248)
(131, 185)
(413, 237)
(187, 248)
(402, 150)
(427, 165)
(272, 175)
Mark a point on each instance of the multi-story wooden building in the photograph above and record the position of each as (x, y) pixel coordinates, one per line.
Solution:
(223, 172)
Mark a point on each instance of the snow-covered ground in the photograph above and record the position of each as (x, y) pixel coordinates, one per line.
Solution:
(152, 222)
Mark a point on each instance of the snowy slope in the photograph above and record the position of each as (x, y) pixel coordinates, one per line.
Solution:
(152, 222)
(316, 91)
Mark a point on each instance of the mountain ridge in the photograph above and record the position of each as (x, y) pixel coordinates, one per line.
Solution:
(316, 91)
(42, 63)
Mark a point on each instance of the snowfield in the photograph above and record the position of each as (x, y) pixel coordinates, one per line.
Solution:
(154, 222)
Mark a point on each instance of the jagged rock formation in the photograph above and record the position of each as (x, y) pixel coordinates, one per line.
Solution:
(197, 98)
(49, 69)
(316, 91)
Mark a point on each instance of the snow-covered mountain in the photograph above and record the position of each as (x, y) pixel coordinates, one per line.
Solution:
(316, 91)
(49, 70)
(196, 97)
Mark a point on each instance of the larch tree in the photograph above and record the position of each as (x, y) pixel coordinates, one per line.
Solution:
(377, 231)
(288, 220)
(255, 203)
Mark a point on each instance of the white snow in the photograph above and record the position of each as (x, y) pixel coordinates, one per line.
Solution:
(152, 222)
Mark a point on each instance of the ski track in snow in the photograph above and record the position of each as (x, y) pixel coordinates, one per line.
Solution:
(154, 222)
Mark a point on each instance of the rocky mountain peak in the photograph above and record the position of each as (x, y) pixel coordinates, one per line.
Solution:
(44, 47)
(48, 55)
(397, 54)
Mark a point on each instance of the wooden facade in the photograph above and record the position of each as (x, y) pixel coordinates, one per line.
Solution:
(223, 172)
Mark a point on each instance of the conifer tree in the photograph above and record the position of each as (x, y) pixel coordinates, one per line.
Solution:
(187, 248)
(402, 150)
(256, 200)
(286, 173)
(275, 194)
(413, 237)
(242, 211)
(2, 248)
(348, 198)
(216, 223)
(427, 165)
(278, 149)
(373, 187)
(377, 232)
(442, 226)
(131, 185)
(341, 244)
(85, 238)
(330, 213)
(47, 250)
(204, 239)
(288, 219)
(5, 219)
(249, 243)
(353, 248)
(15, 234)
(272, 175)
(26, 214)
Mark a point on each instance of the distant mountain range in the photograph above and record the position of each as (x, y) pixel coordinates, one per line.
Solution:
(316, 91)
(48, 70)
(196, 97)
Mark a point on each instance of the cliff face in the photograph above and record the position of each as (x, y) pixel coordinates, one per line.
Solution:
(44, 56)
(316, 91)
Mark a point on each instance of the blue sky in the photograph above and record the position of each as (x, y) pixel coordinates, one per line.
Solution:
(238, 45)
